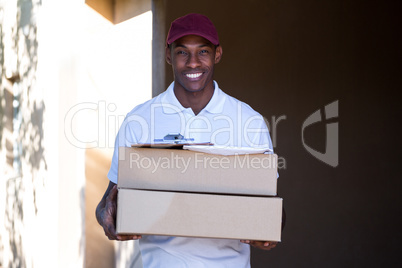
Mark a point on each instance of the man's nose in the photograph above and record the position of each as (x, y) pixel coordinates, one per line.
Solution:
(193, 61)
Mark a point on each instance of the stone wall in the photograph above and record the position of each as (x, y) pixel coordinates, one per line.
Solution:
(21, 135)
(51, 64)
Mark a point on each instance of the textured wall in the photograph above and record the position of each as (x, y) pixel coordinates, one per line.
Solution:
(26, 181)
(32, 207)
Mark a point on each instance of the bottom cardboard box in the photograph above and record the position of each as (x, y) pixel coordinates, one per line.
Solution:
(199, 215)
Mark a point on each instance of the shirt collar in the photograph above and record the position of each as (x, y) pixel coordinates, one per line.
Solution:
(171, 104)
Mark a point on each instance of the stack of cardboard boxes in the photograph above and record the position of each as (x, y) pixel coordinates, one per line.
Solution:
(179, 192)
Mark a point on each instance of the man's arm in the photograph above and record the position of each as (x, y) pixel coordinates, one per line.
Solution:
(106, 214)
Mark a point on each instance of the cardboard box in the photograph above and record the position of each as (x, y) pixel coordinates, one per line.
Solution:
(188, 171)
(199, 215)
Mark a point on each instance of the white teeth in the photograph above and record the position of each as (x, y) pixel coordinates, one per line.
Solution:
(193, 75)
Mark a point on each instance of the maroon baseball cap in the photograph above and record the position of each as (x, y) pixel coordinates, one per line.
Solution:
(193, 24)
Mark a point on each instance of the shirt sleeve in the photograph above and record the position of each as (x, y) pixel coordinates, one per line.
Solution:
(256, 133)
(125, 138)
(265, 138)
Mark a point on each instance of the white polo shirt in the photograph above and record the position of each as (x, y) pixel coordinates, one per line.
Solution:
(225, 121)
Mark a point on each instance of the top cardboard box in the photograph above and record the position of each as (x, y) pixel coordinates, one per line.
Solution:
(188, 171)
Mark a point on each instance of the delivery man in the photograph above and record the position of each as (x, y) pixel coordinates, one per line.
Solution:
(194, 106)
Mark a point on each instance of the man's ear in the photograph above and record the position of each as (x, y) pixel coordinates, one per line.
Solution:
(218, 54)
(168, 55)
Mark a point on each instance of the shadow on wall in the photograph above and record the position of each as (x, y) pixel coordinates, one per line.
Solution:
(32, 149)
(26, 119)
(29, 108)
(14, 221)
(2, 94)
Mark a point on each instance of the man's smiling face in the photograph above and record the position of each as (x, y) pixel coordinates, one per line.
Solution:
(193, 58)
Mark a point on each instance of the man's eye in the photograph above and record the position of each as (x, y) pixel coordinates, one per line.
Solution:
(181, 52)
(204, 51)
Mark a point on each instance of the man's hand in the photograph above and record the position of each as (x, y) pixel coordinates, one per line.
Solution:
(106, 215)
(265, 245)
